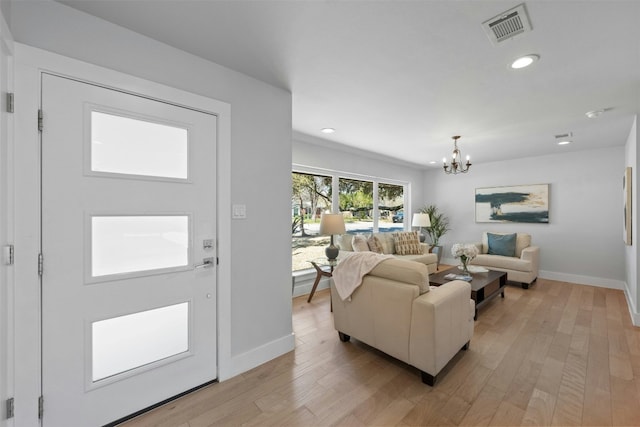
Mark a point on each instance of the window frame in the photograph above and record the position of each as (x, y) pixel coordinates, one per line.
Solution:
(375, 180)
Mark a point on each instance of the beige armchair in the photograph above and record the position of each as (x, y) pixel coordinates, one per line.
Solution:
(394, 311)
(522, 267)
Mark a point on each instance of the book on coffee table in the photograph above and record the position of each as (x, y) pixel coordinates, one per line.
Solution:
(453, 276)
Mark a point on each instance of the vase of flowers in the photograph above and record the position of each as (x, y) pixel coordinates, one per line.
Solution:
(466, 252)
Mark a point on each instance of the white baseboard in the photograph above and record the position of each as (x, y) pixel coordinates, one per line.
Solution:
(303, 282)
(259, 355)
(305, 288)
(582, 280)
(633, 310)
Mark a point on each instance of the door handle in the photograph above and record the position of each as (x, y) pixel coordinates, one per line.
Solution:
(206, 263)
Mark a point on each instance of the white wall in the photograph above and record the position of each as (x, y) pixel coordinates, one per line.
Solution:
(582, 242)
(631, 252)
(260, 271)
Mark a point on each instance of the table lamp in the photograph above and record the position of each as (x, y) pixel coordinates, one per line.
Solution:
(331, 224)
(421, 220)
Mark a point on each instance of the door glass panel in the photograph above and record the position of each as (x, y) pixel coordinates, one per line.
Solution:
(131, 146)
(126, 244)
(127, 342)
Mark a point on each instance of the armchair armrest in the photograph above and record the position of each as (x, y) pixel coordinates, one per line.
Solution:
(441, 324)
(531, 254)
(425, 248)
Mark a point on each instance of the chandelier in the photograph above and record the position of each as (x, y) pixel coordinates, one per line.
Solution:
(456, 166)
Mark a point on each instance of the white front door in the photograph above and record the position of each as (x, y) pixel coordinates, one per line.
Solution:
(128, 252)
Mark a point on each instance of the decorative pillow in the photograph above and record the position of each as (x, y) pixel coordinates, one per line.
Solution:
(344, 242)
(374, 244)
(360, 244)
(523, 241)
(386, 240)
(502, 244)
(407, 243)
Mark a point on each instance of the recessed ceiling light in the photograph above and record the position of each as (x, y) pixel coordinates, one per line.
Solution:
(524, 61)
(564, 142)
(327, 130)
(594, 114)
(432, 162)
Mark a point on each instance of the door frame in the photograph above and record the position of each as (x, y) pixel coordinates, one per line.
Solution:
(6, 225)
(29, 64)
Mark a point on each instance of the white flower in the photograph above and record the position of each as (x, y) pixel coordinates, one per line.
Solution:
(466, 250)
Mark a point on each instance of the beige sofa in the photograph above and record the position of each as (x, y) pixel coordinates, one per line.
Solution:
(345, 242)
(394, 311)
(523, 267)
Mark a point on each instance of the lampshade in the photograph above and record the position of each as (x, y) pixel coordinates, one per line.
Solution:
(331, 224)
(420, 220)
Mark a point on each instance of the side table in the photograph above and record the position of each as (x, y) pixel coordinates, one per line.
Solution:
(321, 266)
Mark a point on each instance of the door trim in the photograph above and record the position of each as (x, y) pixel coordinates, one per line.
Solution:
(30, 63)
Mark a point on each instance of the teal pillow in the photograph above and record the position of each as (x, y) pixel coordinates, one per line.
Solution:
(502, 244)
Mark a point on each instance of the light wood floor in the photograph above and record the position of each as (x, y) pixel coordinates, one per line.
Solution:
(555, 354)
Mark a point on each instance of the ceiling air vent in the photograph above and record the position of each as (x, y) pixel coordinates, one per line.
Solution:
(507, 24)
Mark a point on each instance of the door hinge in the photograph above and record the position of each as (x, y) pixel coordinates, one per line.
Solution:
(40, 407)
(9, 102)
(40, 120)
(9, 406)
(7, 254)
(40, 265)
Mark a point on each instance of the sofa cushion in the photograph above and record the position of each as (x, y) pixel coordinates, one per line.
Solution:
(407, 243)
(422, 258)
(360, 244)
(523, 240)
(403, 271)
(502, 244)
(374, 244)
(502, 262)
(386, 240)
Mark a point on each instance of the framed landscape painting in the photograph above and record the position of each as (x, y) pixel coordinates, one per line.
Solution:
(519, 203)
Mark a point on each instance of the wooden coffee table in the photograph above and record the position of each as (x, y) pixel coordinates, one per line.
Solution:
(484, 286)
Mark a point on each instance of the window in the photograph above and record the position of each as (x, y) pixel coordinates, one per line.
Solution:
(390, 207)
(356, 205)
(367, 204)
(311, 195)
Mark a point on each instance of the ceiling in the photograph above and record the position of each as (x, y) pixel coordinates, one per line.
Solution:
(399, 78)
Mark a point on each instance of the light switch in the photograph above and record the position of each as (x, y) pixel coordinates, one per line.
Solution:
(239, 212)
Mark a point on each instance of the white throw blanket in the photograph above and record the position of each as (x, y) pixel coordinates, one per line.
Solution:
(348, 274)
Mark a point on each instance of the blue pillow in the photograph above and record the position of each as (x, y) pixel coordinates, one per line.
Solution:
(502, 244)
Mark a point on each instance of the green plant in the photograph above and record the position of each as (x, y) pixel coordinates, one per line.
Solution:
(439, 223)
